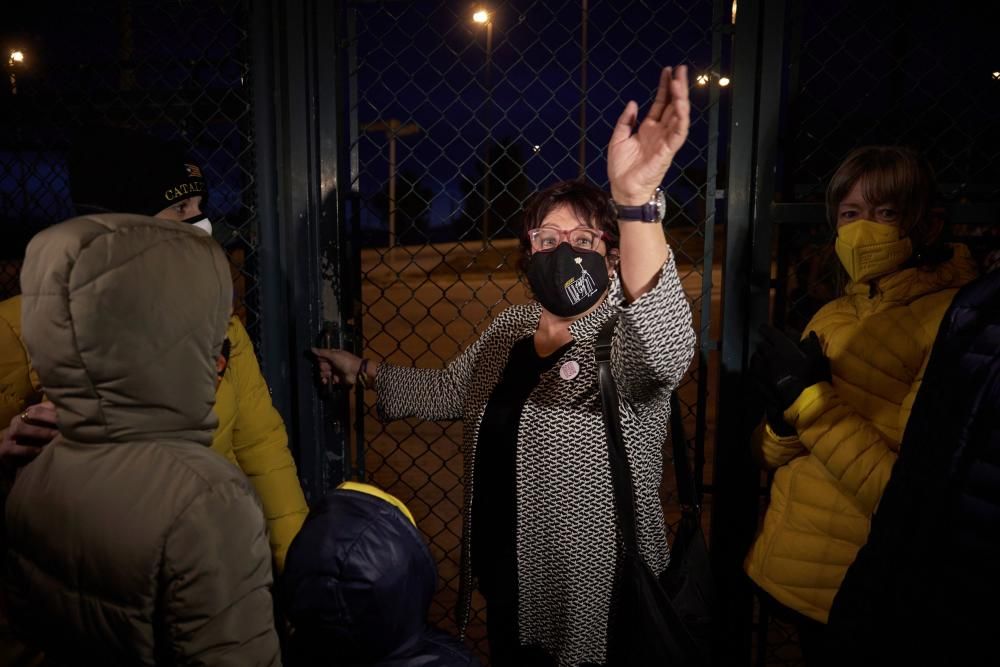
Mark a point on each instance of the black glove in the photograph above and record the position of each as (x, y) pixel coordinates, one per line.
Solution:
(784, 367)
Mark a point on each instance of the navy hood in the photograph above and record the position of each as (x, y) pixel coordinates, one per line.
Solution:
(358, 580)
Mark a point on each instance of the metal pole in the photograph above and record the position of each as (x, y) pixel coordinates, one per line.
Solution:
(489, 132)
(583, 91)
(393, 129)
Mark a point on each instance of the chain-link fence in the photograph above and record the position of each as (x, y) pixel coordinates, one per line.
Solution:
(177, 70)
(863, 73)
(459, 122)
(859, 73)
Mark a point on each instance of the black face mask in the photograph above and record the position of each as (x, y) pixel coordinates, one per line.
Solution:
(567, 281)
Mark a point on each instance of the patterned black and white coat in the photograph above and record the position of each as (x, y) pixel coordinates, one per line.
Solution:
(566, 535)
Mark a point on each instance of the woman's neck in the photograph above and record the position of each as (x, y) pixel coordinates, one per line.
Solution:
(553, 330)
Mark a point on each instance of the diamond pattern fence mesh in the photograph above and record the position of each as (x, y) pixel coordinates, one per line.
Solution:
(883, 73)
(859, 73)
(176, 70)
(459, 123)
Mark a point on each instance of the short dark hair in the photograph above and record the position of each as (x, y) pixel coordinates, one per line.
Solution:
(588, 202)
(888, 174)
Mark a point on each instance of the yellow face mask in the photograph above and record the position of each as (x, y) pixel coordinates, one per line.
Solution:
(868, 249)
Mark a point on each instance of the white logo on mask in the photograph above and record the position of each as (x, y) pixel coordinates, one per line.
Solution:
(581, 287)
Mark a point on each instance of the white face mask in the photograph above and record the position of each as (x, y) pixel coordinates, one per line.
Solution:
(201, 222)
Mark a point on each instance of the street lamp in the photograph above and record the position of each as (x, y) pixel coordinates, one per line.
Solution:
(482, 16)
(705, 78)
(392, 128)
(14, 60)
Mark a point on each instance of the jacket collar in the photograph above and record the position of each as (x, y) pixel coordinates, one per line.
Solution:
(909, 284)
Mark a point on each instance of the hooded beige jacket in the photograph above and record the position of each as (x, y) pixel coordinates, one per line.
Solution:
(130, 541)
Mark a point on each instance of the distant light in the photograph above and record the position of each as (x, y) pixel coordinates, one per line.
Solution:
(16, 56)
(734, 12)
(723, 81)
(702, 79)
(481, 16)
(996, 76)
(536, 148)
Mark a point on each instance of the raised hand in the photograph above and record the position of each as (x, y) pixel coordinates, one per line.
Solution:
(638, 160)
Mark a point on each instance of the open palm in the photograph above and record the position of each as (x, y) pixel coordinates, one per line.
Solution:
(638, 161)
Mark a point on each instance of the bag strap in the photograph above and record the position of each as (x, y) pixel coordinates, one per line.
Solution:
(687, 488)
(621, 476)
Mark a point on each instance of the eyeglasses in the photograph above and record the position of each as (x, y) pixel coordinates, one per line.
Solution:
(546, 239)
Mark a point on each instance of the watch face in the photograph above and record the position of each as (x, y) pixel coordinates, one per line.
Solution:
(660, 201)
(652, 211)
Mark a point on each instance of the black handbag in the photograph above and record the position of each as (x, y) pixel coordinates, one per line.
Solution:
(665, 621)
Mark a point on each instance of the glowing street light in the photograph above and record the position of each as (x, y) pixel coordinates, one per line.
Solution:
(14, 60)
(705, 78)
(996, 76)
(481, 16)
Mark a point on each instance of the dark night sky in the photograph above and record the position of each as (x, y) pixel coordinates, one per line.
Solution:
(869, 72)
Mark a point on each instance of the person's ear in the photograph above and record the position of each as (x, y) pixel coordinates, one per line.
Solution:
(612, 260)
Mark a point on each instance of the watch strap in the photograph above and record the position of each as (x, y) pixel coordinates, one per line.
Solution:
(644, 213)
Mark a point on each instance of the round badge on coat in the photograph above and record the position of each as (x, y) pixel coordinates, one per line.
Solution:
(569, 370)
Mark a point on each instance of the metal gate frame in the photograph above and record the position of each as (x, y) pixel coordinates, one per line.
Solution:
(306, 175)
(304, 250)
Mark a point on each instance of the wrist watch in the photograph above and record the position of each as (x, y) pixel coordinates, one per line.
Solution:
(652, 211)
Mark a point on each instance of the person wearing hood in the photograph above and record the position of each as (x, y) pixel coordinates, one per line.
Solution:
(357, 586)
(128, 540)
(838, 401)
(113, 170)
(539, 532)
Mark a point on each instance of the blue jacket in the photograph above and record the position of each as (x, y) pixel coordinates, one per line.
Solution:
(357, 585)
(924, 589)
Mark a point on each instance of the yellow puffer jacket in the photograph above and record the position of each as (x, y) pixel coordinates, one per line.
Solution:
(251, 434)
(830, 477)
(18, 382)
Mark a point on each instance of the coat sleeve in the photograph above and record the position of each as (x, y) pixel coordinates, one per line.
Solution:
(216, 578)
(260, 444)
(772, 450)
(654, 341)
(852, 449)
(19, 385)
(432, 394)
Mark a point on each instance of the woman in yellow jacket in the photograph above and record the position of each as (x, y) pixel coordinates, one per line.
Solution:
(838, 401)
(123, 172)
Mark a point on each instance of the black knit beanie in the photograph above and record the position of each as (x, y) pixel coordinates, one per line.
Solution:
(121, 171)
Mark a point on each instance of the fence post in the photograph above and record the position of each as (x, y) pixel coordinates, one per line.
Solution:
(746, 287)
(296, 116)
